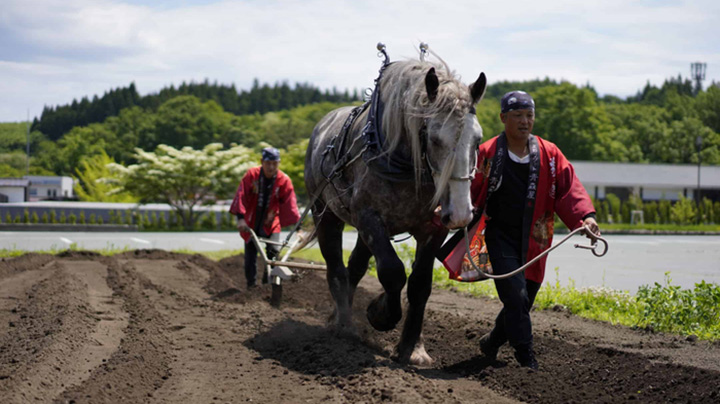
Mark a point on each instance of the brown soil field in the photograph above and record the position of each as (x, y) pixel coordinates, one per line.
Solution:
(150, 326)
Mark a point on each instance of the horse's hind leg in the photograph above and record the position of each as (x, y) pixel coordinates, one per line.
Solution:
(410, 349)
(385, 311)
(329, 233)
(357, 265)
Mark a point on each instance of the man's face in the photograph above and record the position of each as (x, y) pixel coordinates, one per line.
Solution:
(518, 123)
(270, 168)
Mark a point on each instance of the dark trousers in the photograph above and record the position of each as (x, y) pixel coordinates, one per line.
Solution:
(251, 253)
(516, 293)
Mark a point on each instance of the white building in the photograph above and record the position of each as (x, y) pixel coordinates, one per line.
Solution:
(649, 181)
(49, 187)
(13, 190)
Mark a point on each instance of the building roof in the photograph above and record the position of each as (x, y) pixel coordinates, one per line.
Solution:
(14, 182)
(593, 173)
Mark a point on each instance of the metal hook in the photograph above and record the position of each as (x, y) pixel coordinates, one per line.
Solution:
(423, 50)
(381, 52)
(593, 244)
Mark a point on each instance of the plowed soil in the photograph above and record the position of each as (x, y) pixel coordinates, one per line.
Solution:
(150, 326)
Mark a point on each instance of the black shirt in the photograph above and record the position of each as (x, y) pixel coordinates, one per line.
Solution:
(507, 204)
(266, 186)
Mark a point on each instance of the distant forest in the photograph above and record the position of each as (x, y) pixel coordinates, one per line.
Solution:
(55, 121)
(659, 124)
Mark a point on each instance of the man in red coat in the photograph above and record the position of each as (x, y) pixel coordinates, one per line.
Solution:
(265, 201)
(522, 182)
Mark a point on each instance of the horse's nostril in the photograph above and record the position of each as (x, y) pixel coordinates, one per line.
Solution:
(445, 219)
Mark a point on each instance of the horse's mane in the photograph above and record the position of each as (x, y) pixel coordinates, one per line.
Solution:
(407, 105)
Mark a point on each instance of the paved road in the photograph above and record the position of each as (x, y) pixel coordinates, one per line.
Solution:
(632, 260)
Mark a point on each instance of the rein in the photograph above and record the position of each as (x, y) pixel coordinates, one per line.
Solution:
(593, 247)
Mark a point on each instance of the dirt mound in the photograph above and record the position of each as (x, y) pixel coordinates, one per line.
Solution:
(185, 329)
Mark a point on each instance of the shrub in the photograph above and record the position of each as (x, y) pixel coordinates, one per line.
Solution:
(63, 219)
(683, 212)
(26, 216)
(208, 221)
(161, 223)
(690, 311)
(45, 219)
(651, 212)
(111, 216)
(716, 213)
(93, 220)
(18, 219)
(128, 217)
(81, 218)
(100, 220)
(53, 217)
(8, 218)
(72, 219)
(664, 211)
(614, 212)
(34, 218)
(145, 221)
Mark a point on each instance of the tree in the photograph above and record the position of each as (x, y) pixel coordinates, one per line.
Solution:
(92, 184)
(184, 178)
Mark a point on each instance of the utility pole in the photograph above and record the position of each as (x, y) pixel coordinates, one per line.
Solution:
(698, 144)
(697, 71)
(27, 149)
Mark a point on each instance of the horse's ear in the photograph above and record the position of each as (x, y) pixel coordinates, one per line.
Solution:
(431, 84)
(477, 89)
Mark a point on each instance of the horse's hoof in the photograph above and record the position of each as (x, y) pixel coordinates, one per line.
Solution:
(344, 331)
(416, 357)
(377, 315)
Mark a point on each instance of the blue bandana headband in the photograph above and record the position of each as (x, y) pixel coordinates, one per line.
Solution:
(516, 100)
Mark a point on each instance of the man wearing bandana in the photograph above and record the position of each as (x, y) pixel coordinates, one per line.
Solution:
(265, 201)
(522, 182)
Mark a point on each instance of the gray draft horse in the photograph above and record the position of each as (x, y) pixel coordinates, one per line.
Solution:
(427, 119)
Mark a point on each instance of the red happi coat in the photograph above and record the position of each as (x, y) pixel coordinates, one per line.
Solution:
(557, 190)
(281, 209)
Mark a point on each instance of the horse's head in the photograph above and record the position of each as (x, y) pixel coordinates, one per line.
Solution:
(453, 136)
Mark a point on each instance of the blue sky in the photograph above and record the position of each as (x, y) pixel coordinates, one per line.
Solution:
(54, 51)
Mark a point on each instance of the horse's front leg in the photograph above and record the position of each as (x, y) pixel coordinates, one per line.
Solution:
(385, 311)
(410, 349)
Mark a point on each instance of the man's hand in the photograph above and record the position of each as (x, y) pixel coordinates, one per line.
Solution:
(242, 226)
(593, 226)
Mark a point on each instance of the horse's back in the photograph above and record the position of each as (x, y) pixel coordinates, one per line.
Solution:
(329, 126)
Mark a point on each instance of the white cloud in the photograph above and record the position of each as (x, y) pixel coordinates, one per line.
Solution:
(54, 51)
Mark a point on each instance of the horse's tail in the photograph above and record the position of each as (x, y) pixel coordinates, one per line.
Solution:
(307, 237)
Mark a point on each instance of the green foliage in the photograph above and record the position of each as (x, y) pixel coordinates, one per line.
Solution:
(53, 217)
(208, 221)
(95, 181)
(81, 218)
(34, 218)
(683, 211)
(63, 218)
(185, 178)
(45, 219)
(93, 218)
(100, 220)
(26, 216)
(8, 218)
(161, 222)
(72, 218)
(145, 221)
(614, 211)
(669, 308)
(293, 164)
(650, 211)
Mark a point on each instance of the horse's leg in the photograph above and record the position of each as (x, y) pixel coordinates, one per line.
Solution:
(329, 234)
(410, 349)
(384, 311)
(358, 265)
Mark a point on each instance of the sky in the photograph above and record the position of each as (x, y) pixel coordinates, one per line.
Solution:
(52, 52)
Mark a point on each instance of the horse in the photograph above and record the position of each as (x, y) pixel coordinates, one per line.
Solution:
(426, 116)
